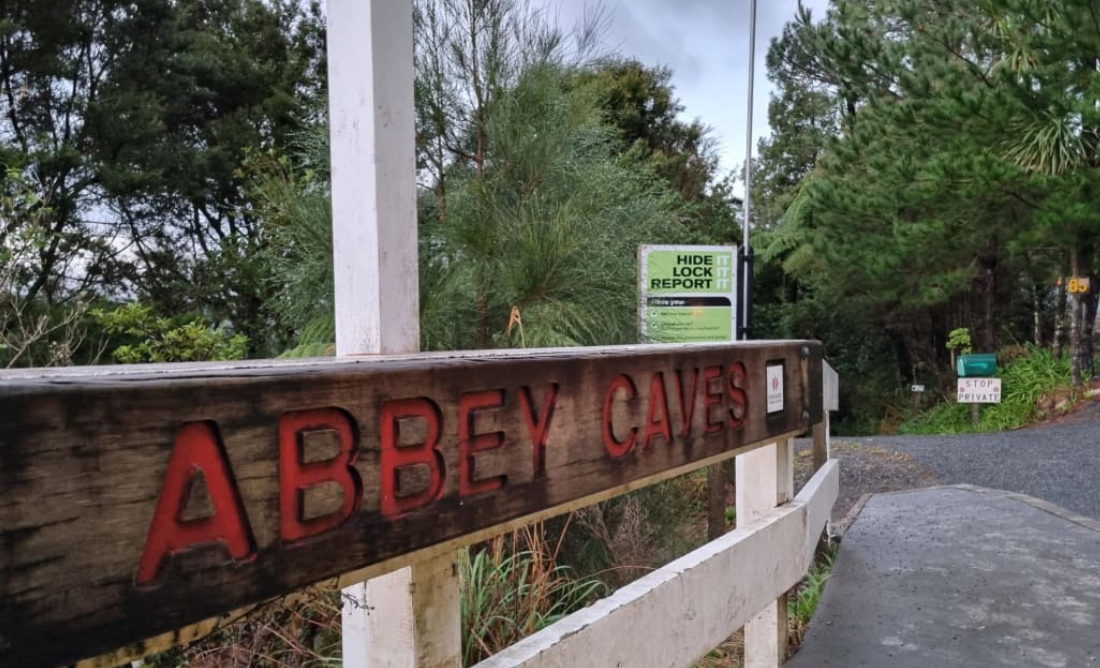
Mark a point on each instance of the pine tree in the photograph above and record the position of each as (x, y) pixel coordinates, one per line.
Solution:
(911, 204)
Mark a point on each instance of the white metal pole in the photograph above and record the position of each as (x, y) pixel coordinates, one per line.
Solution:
(411, 617)
(764, 475)
(746, 284)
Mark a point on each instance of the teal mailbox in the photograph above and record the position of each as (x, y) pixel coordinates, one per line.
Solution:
(976, 366)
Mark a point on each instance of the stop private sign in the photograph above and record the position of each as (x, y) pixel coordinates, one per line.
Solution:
(979, 391)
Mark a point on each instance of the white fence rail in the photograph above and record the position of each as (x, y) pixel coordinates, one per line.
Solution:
(676, 614)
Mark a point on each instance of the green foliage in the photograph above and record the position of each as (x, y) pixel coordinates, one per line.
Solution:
(803, 114)
(291, 195)
(508, 594)
(131, 119)
(639, 103)
(935, 161)
(551, 228)
(310, 350)
(959, 340)
(151, 338)
(1025, 382)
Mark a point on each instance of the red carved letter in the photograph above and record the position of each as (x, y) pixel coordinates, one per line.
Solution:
(538, 430)
(396, 456)
(197, 450)
(615, 447)
(658, 403)
(739, 400)
(712, 396)
(471, 442)
(687, 400)
(295, 475)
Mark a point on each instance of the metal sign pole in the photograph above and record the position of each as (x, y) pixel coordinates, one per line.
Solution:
(746, 255)
(763, 477)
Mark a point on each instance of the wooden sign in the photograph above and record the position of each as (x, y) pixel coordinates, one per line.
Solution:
(135, 501)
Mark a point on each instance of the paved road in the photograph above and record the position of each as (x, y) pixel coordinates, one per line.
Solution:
(968, 577)
(1058, 463)
(960, 578)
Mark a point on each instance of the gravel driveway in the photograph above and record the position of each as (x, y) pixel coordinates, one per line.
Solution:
(1059, 463)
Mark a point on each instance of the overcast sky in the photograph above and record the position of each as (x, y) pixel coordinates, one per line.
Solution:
(705, 43)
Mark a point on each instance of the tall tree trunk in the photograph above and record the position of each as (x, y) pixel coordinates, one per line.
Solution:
(1036, 303)
(1036, 314)
(1059, 342)
(1089, 299)
(1090, 322)
(1079, 352)
(985, 338)
(989, 312)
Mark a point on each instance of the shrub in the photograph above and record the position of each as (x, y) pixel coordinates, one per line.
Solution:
(626, 537)
(142, 336)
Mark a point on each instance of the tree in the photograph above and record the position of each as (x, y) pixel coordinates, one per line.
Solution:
(1049, 68)
(640, 103)
(135, 118)
(54, 60)
(467, 53)
(882, 175)
(804, 114)
(529, 240)
(31, 333)
(547, 232)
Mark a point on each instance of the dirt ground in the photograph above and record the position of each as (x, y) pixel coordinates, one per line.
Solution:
(1087, 410)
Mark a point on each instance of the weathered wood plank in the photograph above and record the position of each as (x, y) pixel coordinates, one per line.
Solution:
(203, 628)
(675, 615)
(99, 545)
(820, 443)
(716, 501)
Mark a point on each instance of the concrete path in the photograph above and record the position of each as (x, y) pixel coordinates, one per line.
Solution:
(960, 576)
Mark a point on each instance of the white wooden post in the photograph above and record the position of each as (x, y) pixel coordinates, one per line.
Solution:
(370, 74)
(409, 618)
(765, 479)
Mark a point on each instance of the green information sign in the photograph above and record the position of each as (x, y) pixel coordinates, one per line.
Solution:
(688, 293)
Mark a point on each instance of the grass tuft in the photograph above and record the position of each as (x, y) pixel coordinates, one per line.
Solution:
(806, 596)
(513, 587)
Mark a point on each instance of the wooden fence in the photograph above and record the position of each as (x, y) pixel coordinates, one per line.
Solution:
(141, 507)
